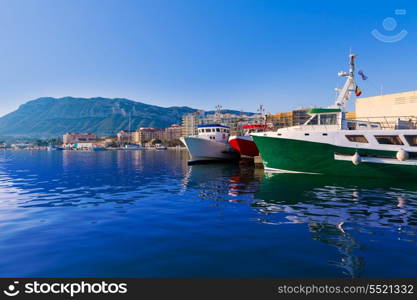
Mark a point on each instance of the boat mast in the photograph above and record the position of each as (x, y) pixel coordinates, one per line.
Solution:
(218, 115)
(262, 113)
(129, 133)
(349, 86)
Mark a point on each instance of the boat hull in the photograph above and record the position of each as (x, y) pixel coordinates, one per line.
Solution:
(244, 145)
(201, 150)
(300, 156)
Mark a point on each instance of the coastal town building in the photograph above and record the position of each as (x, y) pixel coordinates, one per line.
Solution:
(189, 124)
(172, 132)
(282, 119)
(73, 138)
(351, 115)
(143, 135)
(391, 110)
(124, 137)
(293, 118)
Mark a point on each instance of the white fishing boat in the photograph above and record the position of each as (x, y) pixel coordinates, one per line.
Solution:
(133, 147)
(211, 144)
(160, 147)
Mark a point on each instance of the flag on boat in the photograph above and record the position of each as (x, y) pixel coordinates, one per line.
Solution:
(358, 91)
(364, 77)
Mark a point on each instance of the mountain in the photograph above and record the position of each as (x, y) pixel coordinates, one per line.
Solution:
(51, 117)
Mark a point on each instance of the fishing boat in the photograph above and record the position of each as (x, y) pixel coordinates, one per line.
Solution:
(53, 148)
(244, 144)
(211, 144)
(133, 147)
(328, 143)
(160, 147)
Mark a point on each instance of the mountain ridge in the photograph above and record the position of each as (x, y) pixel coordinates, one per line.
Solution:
(48, 117)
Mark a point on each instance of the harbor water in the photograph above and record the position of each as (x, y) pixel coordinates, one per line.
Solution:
(144, 213)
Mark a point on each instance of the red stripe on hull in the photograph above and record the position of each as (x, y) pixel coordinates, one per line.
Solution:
(244, 146)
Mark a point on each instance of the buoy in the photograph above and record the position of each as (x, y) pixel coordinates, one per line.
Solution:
(356, 159)
(402, 155)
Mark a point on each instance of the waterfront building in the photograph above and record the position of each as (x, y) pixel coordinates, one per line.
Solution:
(73, 138)
(143, 135)
(351, 115)
(124, 137)
(391, 110)
(189, 124)
(282, 119)
(300, 116)
(172, 133)
(293, 118)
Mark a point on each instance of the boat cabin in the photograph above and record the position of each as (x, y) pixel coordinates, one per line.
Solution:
(252, 128)
(216, 132)
(334, 118)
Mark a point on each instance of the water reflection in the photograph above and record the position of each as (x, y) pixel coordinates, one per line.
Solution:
(68, 178)
(162, 193)
(305, 198)
(332, 208)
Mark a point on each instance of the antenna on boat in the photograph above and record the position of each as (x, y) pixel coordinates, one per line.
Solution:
(218, 112)
(349, 86)
(261, 111)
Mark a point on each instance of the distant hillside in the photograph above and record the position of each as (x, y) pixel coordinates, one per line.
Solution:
(51, 117)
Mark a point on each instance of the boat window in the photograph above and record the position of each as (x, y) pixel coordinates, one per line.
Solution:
(351, 125)
(328, 119)
(411, 140)
(313, 121)
(389, 139)
(356, 138)
(218, 129)
(363, 125)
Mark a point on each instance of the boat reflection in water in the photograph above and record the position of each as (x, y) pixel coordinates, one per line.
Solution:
(223, 181)
(335, 210)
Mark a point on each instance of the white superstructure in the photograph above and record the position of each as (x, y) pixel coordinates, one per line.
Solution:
(210, 144)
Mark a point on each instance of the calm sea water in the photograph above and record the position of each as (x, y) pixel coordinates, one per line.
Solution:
(148, 214)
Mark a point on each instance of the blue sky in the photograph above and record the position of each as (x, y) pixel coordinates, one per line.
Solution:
(283, 54)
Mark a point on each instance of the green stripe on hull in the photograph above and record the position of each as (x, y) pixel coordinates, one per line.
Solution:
(312, 157)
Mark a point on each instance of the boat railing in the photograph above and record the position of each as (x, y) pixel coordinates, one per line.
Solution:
(364, 123)
(391, 122)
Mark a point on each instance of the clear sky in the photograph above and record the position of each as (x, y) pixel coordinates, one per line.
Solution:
(201, 53)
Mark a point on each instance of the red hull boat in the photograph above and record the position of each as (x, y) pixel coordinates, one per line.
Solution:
(244, 143)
